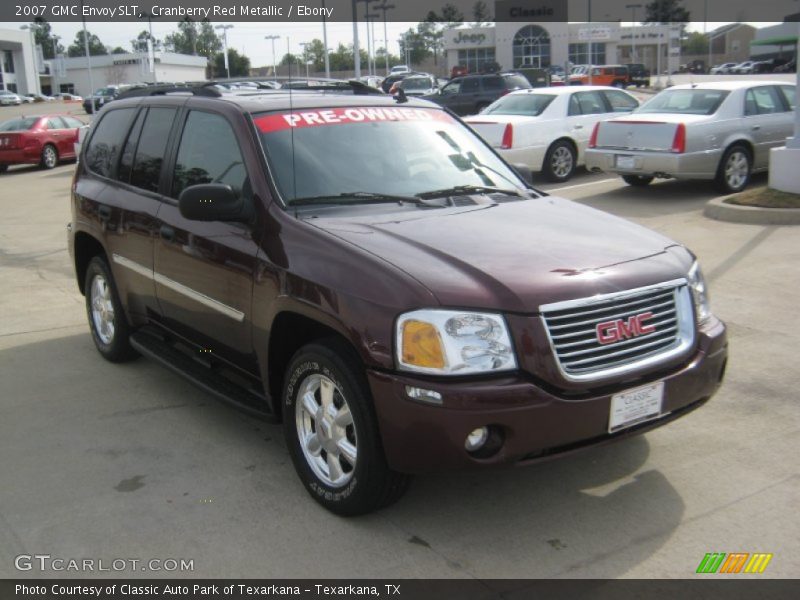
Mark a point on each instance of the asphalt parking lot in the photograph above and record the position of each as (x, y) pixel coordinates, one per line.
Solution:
(129, 461)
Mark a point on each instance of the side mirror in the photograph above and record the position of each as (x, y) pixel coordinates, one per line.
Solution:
(524, 172)
(212, 202)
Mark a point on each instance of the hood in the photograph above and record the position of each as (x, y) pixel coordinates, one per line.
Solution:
(515, 256)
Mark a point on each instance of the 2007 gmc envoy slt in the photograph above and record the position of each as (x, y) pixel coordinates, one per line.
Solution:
(367, 270)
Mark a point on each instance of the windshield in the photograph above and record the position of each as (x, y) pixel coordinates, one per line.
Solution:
(531, 105)
(686, 102)
(19, 124)
(415, 83)
(385, 150)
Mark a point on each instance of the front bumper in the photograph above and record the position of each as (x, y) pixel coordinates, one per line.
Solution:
(690, 165)
(536, 423)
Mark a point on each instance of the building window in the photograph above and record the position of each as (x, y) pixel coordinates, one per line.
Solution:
(531, 47)
(8, 61)
(476, 59)
(579, 54)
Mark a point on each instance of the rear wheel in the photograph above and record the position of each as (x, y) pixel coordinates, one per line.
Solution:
(559, 162)
(49, 156)
(637, 180)
(733, 173)
(3, 168)
(332, 432)
(110, 330)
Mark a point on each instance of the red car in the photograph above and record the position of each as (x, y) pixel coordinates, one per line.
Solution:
(42, 140)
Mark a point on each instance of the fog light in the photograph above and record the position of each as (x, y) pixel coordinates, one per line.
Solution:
(476, 439)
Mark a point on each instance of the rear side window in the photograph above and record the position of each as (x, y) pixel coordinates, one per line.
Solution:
(590, 103)
(208, 153)
(150, 149)
(72, 123)
(620, 101)
(493, 83)
(129, 149)
(470, 85)
(790, 93)
(107, 139)
(517, 82)
(763, 101)
(55, 123)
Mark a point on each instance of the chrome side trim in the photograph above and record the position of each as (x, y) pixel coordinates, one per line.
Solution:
(216, 305)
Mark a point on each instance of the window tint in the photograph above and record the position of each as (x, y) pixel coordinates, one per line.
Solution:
(763, 101)
(470, 85)
(126, 157)
(208, 153)
(150, 149)
(106, 141)
(790, 92)
(620, 101)
(591, 103)
(493, 83)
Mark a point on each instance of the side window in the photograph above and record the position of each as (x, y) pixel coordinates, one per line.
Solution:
(129, 149)
(620, 101)
(55, 123)
(591, 103)
(790, 93)
(106, 141)
(452, 88)
(750, 107)
(470, 86)
(493, 83)
(72, 123)
(766, 100)
(574, 107)
(150, 149)
(208, 153)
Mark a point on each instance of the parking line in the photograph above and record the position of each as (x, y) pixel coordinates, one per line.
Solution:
(569, 187)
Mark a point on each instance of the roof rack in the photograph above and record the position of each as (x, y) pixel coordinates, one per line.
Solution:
(201, 89)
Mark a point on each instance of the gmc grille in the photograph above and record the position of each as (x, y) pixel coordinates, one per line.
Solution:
(667, 331)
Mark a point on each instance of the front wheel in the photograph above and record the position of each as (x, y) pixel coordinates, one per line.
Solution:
(110, 330)
(49, 157)
(332, 432)
(733, 173)
(559, 162)
(637, 180)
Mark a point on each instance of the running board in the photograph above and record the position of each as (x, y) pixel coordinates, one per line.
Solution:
(154, 344)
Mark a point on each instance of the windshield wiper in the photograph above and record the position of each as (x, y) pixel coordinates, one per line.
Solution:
(356, 198)
(465, 190)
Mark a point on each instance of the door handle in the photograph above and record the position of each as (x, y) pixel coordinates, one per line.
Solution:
(167, 232)
(104, 212)
(756, 127)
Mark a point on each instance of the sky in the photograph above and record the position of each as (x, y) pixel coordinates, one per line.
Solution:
(248, 38)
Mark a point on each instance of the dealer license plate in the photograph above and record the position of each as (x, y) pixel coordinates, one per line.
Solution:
(626, 162)
(635, 406)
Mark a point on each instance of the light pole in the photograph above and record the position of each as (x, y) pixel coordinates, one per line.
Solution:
(150, 16)
(88, 61)
(591, 58)
(356, 49)
(272, 38)
(369, 47)
(33, 27)
(325, 41)
(225, 46)
(633, 8)
(385, 8)
(371, 18)
(54, 65)
(305, 55)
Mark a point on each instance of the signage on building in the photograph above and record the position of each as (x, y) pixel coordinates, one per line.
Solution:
(478, 37)
(472, 39)
(594, 34)
(530, 10)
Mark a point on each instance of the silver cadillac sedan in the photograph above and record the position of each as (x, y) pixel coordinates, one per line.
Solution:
(721, 131)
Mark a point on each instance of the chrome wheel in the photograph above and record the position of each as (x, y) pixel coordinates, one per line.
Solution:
(561, 162)
(737, 169)
(102, 309)
(326, 431)
(49, 157)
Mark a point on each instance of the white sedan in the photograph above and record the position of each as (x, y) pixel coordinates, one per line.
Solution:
(548, 129)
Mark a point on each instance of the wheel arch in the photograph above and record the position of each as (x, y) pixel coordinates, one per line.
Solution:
(86, 248)
(570, 141)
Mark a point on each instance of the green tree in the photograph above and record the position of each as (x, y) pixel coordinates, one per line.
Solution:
(451, 16)
(44, 36)
(417, 45)
(695, 43)
(666, 11)
(480, 14)
(239, 64)
(140, 43)
(119, 50)
(208, 42)
(314, 52)
(96, 47)
(183, 41)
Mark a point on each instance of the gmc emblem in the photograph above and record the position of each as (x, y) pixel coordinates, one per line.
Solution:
(609, 332)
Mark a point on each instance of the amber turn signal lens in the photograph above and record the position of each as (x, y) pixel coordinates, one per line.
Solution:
(422, 346)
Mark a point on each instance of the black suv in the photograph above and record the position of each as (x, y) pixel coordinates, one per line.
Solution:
(102, 97)
(470, 94)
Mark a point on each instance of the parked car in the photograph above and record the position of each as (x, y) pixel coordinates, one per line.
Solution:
(723, 69)
(101, 97)
(614, 75)
(372, 81)
(44, 140)
(547, 129)
(9, 98)
(395, 293)
(392, 78)
(470, 94)
(27, 98)
(721, 131)
(68, 97)
(399, 69)
(418, 85)
(762, 66)
(744, 68)
(639, 75)
(787, 67)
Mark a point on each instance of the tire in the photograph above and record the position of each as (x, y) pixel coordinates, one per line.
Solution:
(107, 320)
(345, 486)
(733, 173)
(637, 180)
(49, 157)
(559, 162)
(3, 168)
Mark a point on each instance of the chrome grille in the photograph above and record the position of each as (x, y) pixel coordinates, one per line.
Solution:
(572, 327)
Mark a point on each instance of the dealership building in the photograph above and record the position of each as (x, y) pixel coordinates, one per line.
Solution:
(515, 44)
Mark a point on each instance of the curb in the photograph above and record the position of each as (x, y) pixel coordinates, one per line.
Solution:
(753, 215)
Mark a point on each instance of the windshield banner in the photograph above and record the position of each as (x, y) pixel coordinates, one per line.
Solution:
(339, 116)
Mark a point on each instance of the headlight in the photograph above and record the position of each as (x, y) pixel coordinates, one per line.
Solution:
(447, 342)
(697, 283)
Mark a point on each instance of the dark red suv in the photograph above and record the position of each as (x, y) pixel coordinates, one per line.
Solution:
(367, 270)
